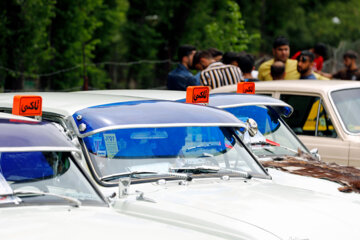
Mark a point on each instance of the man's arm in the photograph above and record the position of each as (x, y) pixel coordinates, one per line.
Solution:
(327, 75)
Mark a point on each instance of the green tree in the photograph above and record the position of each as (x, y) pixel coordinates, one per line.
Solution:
(72, 38)
(219, 24)
(156, 28)
(112, 46)
(304, 22)
(24, 42)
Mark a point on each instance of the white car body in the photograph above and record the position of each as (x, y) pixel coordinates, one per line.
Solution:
(278, 176)
(232, 208)
(343, 149)
(23, 219)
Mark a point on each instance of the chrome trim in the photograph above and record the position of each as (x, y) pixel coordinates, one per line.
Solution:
(39, 149)
(161, 125)
(256, 103)
(337, 112)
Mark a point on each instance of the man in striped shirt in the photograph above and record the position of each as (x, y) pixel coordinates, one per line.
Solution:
(215, 74)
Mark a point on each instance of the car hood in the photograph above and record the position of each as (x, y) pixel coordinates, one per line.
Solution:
(291, 213)
(310, 183)
(58, 222)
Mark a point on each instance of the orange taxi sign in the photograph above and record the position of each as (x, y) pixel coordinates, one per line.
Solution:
(246, 87)
(27, 105)
(197, 94)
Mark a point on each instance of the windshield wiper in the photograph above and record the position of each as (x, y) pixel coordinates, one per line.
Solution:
(124, 174)
(196, 169)
(275, 145)
(131, 174)
(76, 202)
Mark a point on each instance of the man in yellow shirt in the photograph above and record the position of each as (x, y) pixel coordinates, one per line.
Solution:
(281, 52)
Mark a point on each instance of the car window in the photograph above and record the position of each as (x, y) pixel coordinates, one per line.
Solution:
(49, 172)
(272, 128)
(347, 103)
(159, 149)
(305, 116)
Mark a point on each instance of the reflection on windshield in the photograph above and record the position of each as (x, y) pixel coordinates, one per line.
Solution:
(347, 102)
(272, 128)
(160, 149)
(51, 172)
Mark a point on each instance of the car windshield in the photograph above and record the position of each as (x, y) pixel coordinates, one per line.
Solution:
(347, 103)
(161, 149)
(275, 139)
(45, 178)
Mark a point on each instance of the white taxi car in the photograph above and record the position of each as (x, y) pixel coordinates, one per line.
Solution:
(333, 126)
(165, 218)
(274, 141)
(44, 194)
(186, 165)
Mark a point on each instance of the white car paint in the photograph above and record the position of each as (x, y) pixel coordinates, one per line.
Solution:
(224, 207)
(60, 222)
(291, 213)
(345, 148)
(278, 176)
(40, 220)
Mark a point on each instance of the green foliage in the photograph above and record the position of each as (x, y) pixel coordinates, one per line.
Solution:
(72, 37)
(226, 30)
(68, 38)
(24, 43)
(304, 22)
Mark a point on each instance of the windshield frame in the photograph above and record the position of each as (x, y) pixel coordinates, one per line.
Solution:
(280, 119)
(337, 113)
(103, 201)
(98, 180)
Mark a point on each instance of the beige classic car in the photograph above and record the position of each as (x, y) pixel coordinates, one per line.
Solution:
(326, 115)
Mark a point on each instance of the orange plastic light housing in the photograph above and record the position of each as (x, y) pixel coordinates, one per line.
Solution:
(246, 87)
(197, 94)
(27, 105)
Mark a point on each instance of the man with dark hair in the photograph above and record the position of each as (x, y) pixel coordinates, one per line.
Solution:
(277, 70)
(350, 72)
(230, 58)
(216, 54)
(281, 52)
(215, 74)
(180, 78)
(305, 65)
(320, 52)
(246, 63)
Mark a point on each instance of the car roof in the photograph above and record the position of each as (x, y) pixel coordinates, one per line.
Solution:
(20, 134)
(145, 93)
(231, 100)
(216, 100)
(65, 103)
(150, 113)
(324, 86)
(295, 85)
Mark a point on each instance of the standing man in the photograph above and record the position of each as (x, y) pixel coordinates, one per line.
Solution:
(305, 65)
(180, 78)
(215, 74)
(350, 72)
(281, 52)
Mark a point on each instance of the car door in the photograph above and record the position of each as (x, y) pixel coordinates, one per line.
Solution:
(312, 123)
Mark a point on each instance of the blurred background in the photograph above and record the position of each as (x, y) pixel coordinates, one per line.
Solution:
(66, 45)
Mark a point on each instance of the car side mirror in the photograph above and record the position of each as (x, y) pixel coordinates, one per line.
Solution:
(252, 127)
(315, 153)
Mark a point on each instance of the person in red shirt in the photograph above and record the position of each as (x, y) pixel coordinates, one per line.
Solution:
(320, 52)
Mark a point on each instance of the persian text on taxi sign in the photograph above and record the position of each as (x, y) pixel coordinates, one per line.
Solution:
(34, 105)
